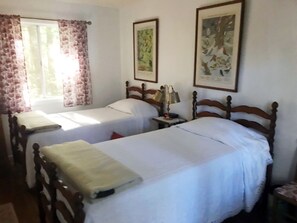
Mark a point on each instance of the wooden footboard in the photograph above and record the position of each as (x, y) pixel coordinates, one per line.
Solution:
(54, 205)
(18, 141)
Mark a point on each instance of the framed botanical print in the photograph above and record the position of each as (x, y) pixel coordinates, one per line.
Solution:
(145, 45)
(217, 45)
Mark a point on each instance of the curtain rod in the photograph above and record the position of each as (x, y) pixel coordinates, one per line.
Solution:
(23, 17)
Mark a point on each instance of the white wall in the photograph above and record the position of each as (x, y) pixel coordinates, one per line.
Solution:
(103, 44)
(268, 69)
(103, 39)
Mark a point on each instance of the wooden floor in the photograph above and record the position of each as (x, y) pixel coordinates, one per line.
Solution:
(13, 189)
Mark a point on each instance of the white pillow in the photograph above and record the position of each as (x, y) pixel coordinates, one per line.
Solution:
(135, 107)
(225, 131)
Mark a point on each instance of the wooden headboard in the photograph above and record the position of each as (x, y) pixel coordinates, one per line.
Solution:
(226, 110)
(143, 94)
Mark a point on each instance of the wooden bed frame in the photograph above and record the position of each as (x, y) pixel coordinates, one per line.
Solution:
(50, 205)
(19, 134)
(227, 111)
(223, 111)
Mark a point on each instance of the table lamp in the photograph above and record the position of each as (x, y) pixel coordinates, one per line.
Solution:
(168, 96)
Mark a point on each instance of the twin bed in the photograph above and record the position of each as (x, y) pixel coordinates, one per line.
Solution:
(205, 170)
(126, 117)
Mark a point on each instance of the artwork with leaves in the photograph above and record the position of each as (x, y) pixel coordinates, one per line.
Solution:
(145, 44)
(218, 35)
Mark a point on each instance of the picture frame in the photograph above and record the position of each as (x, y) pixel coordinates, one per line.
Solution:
(145, 47)
(217, 45)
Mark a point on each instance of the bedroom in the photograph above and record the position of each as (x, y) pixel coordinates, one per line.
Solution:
(267, 66)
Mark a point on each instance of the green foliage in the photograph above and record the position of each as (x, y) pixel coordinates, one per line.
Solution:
(41, 48)
(145, 49)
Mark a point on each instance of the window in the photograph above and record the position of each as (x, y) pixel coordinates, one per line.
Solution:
(42, 49)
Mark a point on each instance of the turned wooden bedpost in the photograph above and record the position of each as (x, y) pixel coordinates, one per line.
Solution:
(269, 168)
(162, 102)
(228, 107)
(194, 105)
(127, 90)
(22, 141)
(271, 134)
(272, 127)
(38, 184)
(142, 91)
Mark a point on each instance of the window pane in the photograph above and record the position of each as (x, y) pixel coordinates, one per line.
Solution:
(42, 50)
(32, 58)
(50, 51)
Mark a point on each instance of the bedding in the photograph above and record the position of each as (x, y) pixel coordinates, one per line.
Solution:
(36, 121)
(188, 175)
(93, 125)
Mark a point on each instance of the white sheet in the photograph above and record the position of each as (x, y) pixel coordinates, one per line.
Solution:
(187, 178)
(92, 125)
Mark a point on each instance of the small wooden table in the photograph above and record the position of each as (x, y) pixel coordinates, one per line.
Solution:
(163, 122)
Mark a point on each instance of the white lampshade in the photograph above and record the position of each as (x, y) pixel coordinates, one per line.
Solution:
(173, 97)
(159, 97)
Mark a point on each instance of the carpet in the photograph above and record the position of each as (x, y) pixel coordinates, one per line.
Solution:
(7, 213)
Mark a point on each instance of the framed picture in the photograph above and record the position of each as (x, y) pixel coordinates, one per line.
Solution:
(217, 46)
(145, 45)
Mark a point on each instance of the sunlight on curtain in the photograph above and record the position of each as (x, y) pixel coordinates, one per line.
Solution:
(77, 89)
(13, 77)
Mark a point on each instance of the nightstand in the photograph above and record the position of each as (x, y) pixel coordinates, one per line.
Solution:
(168, 122)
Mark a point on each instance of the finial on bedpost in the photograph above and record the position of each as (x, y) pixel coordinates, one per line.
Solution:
(142, 91)
(127, 91)
(228, 108)
(272, 126)
(194, 105)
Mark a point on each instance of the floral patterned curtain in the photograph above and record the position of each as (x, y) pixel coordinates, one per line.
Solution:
(13, 78)
(76, 72)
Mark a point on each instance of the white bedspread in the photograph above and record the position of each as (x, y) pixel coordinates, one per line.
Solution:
(92, 125)
(187, 178)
